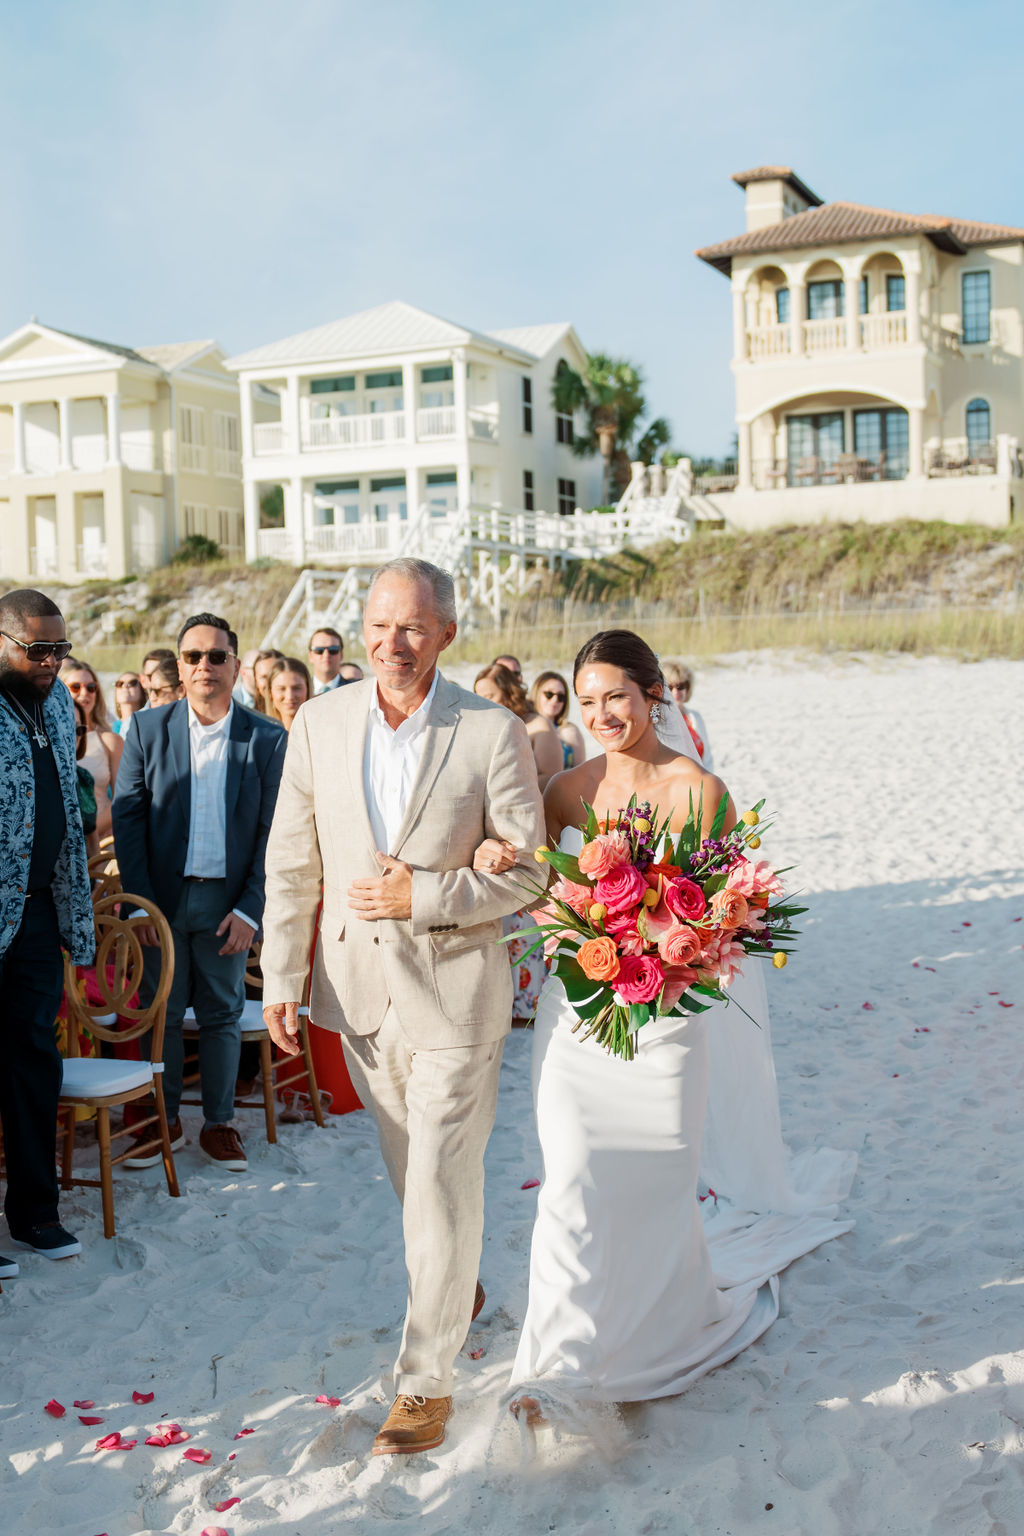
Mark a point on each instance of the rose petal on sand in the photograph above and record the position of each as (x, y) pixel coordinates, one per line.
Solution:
(242, 1432)
(143, 1397)
(198, 1456)
(1004, 1005)
(477, 1354)
(869, 1006)
(83, 1402)
(531, 1184)
(84, 1418)
(329, 1402)
(113, 1442)
(966, 925)
(54, 1409)
(213, 1530)
(226, 1504)
(232, 1456)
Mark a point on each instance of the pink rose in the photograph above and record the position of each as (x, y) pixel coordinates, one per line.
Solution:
(624, 931)
(621, 889)
(579, 897)
(606, 852)
(679, 946)
(752, 878)
(685, 900)
(640, 978)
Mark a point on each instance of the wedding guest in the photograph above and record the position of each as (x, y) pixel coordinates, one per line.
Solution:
(44, 904)
(351, 671)
(244, 691)
(288, 686)
(86, 786)
(550, 697)
(129, 696)
(149, 663)
(503, 686)
(326, 656)
(511, 663)
(194, 802)
(679, 680)
(261, 671)
(165, 684)
(103, 748)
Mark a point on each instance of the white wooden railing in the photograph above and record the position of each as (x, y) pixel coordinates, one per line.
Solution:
(268, 437)
(435, 421)
(768, 341)
(354, 431)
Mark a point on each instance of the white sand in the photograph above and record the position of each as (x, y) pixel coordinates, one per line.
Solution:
(888, 1397)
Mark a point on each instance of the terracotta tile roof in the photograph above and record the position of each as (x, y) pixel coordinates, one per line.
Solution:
(839, 223)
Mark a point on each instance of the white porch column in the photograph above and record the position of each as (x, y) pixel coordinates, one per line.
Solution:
(744, 466)
(459, 371)
(739, 319)
(64, 419)
(290, 415)
(409, 403)
(113, 429)
(19, 439)
(463, 484)
(294, 519)
(851, 294)
(795, 278)
(245, 417)
(912, 273)
(915, 466)
(250, 517)
(413, 495)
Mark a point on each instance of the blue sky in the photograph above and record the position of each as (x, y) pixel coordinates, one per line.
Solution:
(244, 169)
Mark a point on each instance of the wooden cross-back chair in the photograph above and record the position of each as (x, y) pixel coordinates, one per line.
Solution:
(275, 1074)
(101, 1083)
(104, 875)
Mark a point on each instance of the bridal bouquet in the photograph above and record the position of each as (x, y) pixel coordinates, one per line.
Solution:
(640, 924)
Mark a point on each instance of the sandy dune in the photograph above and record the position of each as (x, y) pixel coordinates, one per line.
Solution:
(888, 1397)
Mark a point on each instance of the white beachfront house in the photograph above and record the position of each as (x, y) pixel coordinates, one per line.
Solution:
(878, 360)
(394, 415)
(111, 455)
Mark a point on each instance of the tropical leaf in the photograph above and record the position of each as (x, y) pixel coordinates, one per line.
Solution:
(720, 815)
(566, 865)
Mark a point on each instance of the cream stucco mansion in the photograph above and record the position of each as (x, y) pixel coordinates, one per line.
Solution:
(878, 360)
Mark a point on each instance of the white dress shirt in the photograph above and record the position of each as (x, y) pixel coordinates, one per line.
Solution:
(319, 687)
(206, 855)
(391, 762)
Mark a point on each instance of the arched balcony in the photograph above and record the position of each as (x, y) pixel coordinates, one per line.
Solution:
(826, 305)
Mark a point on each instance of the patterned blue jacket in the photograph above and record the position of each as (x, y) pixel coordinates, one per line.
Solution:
(71, 892)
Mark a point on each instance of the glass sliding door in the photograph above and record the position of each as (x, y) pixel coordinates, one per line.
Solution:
(881, 438)
(813, 444)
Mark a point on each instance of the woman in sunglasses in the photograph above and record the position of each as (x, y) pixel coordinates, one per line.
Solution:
(129, 696)
(165, 684)
(550, 698)
(102, 747)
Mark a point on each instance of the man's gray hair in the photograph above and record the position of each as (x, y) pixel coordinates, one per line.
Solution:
(439, 581)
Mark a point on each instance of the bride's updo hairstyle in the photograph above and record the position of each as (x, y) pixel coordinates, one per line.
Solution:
(621, 648)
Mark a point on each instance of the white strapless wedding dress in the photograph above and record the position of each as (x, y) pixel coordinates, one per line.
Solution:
(637, 1286)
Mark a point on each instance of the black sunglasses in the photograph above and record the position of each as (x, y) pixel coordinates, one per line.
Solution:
(332, 650)
(81, 730)
(548, 693)
(41, 650)
(216, 657)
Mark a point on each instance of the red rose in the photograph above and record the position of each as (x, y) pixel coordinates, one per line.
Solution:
(685, 900)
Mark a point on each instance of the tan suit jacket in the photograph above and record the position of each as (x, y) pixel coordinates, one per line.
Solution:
(444, 970)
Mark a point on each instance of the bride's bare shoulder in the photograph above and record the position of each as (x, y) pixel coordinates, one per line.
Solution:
(566, 792)
(689, 778)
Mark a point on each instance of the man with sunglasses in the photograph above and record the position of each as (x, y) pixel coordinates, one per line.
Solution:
(44, 905)
(195, 796)
(326, 654)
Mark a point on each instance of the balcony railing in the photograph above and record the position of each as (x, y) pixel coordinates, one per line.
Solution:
(844, 469)
(879, 331)
(484, 425)
(268, 437)
(88, 454)
(958, 457)
(92, 559)
(824, 335)
(145, 554)
(192, 456)
(356, 538)
(139, 456)
(41, 459)
(354, 431)
(42, 561)
(435, 421)
(769, 341)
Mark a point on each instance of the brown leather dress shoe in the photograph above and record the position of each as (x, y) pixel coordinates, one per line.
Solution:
(414, 1424)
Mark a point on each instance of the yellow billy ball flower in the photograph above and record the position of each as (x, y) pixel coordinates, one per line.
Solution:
(597, 913)
(650, 897)
(753, 842)
(540, 854)
(780, 961)
(751, 818)
(641, 825)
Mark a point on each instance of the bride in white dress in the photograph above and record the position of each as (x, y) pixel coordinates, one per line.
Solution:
(638, 1287)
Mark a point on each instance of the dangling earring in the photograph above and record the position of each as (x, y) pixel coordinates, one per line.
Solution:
(655, 713)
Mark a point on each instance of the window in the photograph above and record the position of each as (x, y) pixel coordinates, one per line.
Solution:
(825, 300)
(193, 519)
(229, 528)
(977, 299)
(527, 390)
(339, 386)
(392, 379)
(442, 374)
(979, 428)
(565, 431)
(191, 437)
(388, 498)
(895, 291)
(566, 498)
(332, 496)
(882, 437)
(227, 443)
(442, 492)
(863, 296)
(813, 444)
(528, 504)
(782, 305)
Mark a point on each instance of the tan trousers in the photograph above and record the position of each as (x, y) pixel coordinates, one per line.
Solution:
(434, 1112)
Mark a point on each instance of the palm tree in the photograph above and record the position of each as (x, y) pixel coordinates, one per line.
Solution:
(610, 392)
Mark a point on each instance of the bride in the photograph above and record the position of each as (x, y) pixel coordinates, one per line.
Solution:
(638, 1285)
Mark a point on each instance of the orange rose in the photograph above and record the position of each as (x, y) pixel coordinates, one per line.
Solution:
(729, 908)
(599, 959)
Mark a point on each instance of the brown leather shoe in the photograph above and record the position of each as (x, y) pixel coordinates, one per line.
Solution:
(223, 1145)
(478, 1302)
(414, 1424)
(152, 1134)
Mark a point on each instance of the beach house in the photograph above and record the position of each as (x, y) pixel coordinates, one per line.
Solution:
(878, 360)
(392, 416)
(111, 455)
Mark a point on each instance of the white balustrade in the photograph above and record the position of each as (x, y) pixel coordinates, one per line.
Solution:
(88, 454)
(768, 341)
(354, 431)
(364, 538)
(138, 455)
(268, 437)
(436, 421)
(886, 330)
(43, 562)
(274, 544)
(824, 335)
(92, 559)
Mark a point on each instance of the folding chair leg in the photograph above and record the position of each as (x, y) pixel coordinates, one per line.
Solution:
(170, 1172)
(314, 1087)
(267, 1073)
(67, 1151)
(106, 1174)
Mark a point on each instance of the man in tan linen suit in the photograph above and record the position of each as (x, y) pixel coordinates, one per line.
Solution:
(389, 787)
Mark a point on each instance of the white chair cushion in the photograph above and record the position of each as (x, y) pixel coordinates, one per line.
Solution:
(96, 1077)
(251, 1018)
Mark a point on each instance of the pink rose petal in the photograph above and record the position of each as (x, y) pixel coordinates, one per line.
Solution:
(232, 1456)
(113, 1442)
(196, 1455)
(531, 1184)
(84, 1402)
(965, 925)
(226, 1504)
(213, 1530)
(84, 1418)
(242, 1432)
(477, 1354)
(54, 1409)
(143, 1397)
(1004, 1005)
(329, 1402)
(870, 1007)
